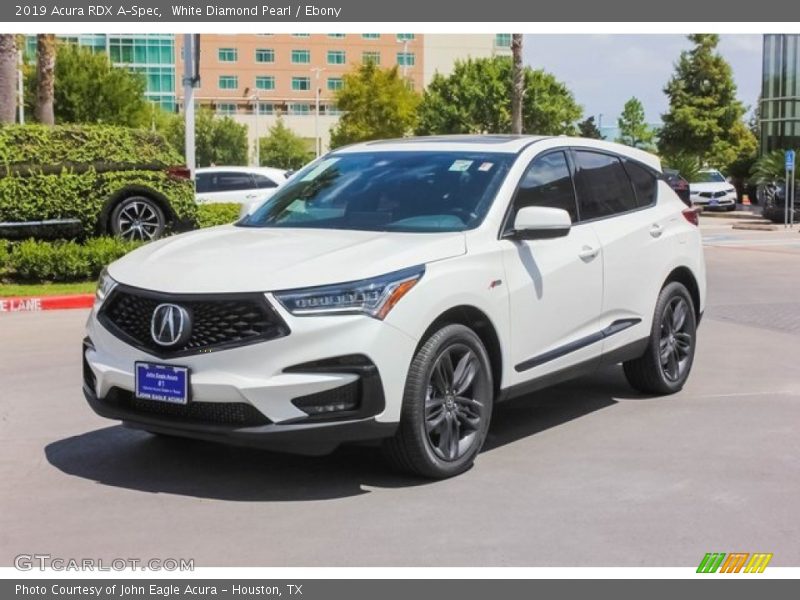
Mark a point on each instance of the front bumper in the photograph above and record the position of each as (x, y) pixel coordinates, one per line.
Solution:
(711, 203)
(267, 383)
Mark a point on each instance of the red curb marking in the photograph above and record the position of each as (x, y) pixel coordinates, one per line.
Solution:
(38, 303)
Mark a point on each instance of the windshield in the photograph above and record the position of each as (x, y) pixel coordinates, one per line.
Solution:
(709, 177)
(388, 191)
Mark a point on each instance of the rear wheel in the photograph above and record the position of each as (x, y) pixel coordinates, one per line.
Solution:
(665, 365)
(447, 405)
(138, 218)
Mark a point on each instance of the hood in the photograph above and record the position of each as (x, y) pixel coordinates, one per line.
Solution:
(712, 186)
(244, 259)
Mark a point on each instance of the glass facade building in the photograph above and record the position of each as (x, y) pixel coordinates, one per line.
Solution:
(780, 93)
(150, 54)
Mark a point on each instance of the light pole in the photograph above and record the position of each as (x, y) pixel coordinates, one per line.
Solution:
(256, 112)
(20, 88)
(317, 141)
(405, 56)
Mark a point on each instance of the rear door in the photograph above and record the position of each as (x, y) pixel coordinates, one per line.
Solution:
(618, 196)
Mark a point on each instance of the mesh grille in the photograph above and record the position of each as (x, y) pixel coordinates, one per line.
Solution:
(218, 413)
(216, 323)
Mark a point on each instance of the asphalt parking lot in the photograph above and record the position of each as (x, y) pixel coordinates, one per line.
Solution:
(585, 474)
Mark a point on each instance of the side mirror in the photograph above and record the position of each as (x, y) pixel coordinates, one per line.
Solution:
(540, 223)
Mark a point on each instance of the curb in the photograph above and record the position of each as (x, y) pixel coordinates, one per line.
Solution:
(39, 303)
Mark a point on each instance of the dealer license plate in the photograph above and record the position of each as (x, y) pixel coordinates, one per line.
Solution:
(164, 383)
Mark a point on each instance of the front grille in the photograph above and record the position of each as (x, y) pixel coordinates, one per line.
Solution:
(713, 194)
(237, 414)
(217, 322)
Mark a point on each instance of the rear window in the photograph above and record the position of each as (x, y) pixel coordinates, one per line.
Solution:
(603, 185)
(644, 183)
(224, 181)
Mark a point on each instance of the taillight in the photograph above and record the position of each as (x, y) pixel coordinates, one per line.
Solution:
(692, 215)
(180, 172)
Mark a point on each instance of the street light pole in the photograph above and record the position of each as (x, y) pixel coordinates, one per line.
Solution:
(20, 89)
(188, 99)
(257, 111)
(405, 57)
(317, 141)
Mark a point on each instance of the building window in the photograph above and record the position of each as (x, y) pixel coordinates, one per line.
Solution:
(266, 108)
(332, 110)
(227, 54)
(405, 37)
(301, 84)
(301, 35)
(502, 40)
(265, 55)
(371, 36)
(299, 109)
(226, 108)
(335, 83)
(406, 59)
(301, 57)
(228, 82)
(336, 57)
(336, 36)
(371, 56)
(265, 82)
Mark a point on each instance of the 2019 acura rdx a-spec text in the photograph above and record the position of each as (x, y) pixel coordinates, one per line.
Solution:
(398, 290)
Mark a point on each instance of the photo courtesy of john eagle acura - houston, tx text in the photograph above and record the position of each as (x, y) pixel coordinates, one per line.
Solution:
(392, 292)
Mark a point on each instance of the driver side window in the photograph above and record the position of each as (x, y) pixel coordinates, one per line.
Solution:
(548, 182)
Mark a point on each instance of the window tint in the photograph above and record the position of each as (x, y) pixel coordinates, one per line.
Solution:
(263, 181)
(644, 183)
(603, 186)
(547, 182)
(224, 182)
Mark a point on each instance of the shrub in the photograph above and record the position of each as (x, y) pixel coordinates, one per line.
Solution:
(73, 172)
(209, 215)
(3, 257)
(36, 261)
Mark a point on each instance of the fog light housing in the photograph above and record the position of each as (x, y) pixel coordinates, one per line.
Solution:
(344, 398)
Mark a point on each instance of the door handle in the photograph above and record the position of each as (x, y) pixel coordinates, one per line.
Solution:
(251, 196)
(656, 230)
(588, 253)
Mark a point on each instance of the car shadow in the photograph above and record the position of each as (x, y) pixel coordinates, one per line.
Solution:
(127, 458)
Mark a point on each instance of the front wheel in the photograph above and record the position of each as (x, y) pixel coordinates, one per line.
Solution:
(138, 218)
(447, 405)
(665, 365)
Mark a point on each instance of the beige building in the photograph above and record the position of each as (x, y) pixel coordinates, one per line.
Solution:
(255, 78)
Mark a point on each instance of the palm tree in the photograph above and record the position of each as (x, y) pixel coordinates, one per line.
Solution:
(8, 78)
(518, 83)
(45, 77)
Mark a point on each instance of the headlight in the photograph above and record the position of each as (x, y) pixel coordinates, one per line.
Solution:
(104, 286)
(374, 297)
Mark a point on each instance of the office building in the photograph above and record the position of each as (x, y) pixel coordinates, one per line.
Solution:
(780, 93)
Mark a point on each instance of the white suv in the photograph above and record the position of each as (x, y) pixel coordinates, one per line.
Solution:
(397, 290)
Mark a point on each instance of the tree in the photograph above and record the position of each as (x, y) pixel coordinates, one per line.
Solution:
(633, 128)
(705, 119)
(476, 98)
(218, 140)
(377, 103)
(89, 89)
(518, 83)
(8, 78)
(282, 148)
(588, 129)
(45, 77)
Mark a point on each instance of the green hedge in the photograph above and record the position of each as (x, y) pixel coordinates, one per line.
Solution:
(37, 261)
(73, 172)
(209, 215)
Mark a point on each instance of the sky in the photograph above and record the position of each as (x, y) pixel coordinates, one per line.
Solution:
(604, 71)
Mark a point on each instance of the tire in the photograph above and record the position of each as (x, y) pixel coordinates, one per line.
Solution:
(657, 372)
(138, 218)
(432, 395)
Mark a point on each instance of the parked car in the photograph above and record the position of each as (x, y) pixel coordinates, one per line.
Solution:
(82, 180)
(712, 190)
(237, 185)
(394, 291)
(679, 185)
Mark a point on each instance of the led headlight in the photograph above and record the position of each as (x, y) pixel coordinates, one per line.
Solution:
(374, 297)
(104, 286)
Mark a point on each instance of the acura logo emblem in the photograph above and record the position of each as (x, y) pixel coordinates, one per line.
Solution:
(170, 325)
